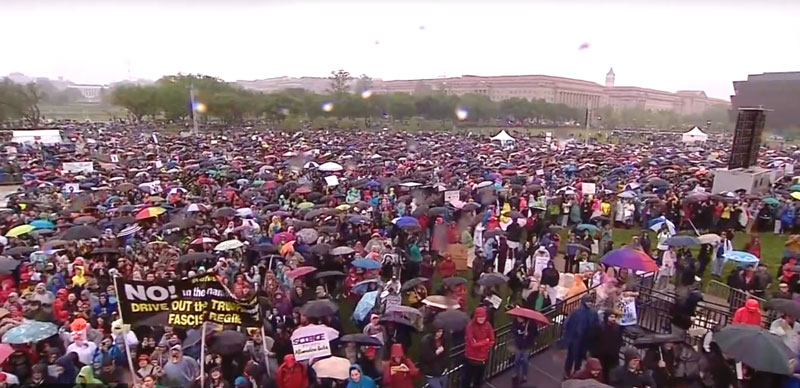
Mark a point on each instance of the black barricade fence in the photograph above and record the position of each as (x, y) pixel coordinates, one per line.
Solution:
(184, 303)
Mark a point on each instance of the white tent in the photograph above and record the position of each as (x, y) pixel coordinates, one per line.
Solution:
(503, 137)
(694, 135)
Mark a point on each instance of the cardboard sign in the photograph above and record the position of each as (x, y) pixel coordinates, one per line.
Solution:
(459, 254)
(451, 195)
(311, 346)
(114, 158)
(332, 180)
(588, 188)
(73, 167)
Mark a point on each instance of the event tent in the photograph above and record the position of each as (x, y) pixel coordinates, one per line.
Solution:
(694, 135)
(503, 137)
(43, 136)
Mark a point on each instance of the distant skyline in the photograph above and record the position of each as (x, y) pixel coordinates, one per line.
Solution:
(675, 45)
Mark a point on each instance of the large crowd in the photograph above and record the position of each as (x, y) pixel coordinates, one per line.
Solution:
(401, 246)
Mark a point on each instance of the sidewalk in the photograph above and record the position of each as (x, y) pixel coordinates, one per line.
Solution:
(545, 371)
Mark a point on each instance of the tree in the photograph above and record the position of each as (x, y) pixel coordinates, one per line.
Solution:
(140, 101)
(21, 101)
(340, 81)
(363, 83)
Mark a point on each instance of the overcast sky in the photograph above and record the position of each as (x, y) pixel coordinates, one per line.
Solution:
(670, 45)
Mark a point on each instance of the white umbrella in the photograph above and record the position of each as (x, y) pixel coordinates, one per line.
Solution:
(331, 167)
(484, 184)
(228, 245)
(411, 184)
(129, 230)
(709, 238)
(176, 190)
(332, 368)
(244, 212)
(195, 207)
(312, 330)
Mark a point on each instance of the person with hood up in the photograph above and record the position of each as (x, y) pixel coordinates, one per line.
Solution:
(447, 267)
(749, 314)
(358, 379)
(85, 378)
(576, 338)
(631, 374)
(291, 374)
(479, 339)
(67, 371)
(593, 369)
(434, 358)
(607, 341)
(400, 371)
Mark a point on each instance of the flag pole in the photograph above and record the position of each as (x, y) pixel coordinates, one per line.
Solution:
(124, 335)
(203, 355)
(266, 352)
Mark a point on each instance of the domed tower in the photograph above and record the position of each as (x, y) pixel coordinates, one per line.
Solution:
(610, 78)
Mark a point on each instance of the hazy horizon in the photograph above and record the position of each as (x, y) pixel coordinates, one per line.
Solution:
(670, 46)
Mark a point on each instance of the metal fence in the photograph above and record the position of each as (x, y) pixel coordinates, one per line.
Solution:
(501, 356)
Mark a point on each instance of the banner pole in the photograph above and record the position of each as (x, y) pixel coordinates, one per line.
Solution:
(266, 352)
(124, 335)
(203, 356)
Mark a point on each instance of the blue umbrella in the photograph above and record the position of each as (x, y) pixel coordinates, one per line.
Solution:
(365, 306)
(362, 287)
(741, 257)
(627, 194)
(657, 223)
(591, 228)
(29, 332)
(372, 183)
(42, 224)
(366, 264)
(407, 222)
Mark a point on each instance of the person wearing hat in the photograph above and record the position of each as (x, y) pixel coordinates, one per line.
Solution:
(400, 371)
(180, 370)
(292, 374)
(576, 337)
(631, 375)
(479, 339)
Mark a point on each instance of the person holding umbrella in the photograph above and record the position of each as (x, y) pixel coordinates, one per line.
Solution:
(479, 338)
(434, 358)
(524, 339)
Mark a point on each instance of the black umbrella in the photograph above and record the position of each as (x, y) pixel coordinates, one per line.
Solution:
(579, 247)
(327, 274)
(398, 320)
(494, 232)
(319, 308)
(320, 249)
(81, 232)
(194, 257)
(227, 343)
(223, 212)
(756, 347)
(657, 339)
(682, 241)
(265, 248)
(451, 320)
(19, 251)
(361, 339)
(786, 306)
(105, 251)
(492, 279)
(454, 281)
(8, 265)
(412, 283)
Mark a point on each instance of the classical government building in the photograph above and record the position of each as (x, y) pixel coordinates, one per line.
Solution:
(778, 92)
(573, 92)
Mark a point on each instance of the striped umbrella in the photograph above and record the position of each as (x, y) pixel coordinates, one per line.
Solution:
(150, 212)
(129, 230)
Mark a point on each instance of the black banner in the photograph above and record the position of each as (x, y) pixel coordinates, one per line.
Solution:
(184, 303)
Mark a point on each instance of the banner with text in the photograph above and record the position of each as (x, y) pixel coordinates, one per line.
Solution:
(72, 167)
(185, 303)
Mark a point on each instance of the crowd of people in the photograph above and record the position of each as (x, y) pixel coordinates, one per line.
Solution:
(383, 237)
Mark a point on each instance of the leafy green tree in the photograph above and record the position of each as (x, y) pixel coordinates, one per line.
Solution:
(340, 82)
(364, 82)
(140, 101)
(21, 101)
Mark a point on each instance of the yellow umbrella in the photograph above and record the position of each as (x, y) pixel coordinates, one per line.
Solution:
(19, 231)
(795, 195)
(343, 208)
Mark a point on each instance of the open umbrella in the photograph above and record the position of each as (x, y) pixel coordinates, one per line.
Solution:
(308, 235)
(315, 330)
(228, 245)
(410, 284)
(590, 227)
(529, 314)
(227, 343)
(398, 320)
(451, 320)
(327, 274)
(440, 302)
(5, 351)
(129, 230)
(368, 264)
(42, 224)
(301, 271)
(81, 232)
(492, 279)
(741, 257)
(29, 332)
(19, 251)
(336, 368)
(20, 230)
(709, 238)
(8, 265)
(342, 251)
(330, 167)
(319, 308)
(786, 306)
(203, 240)
(453, 281)
(756, 347)
(406, 222)
(365, 306)
(631, 259)
(361, 339)
(656, 339)
(320, 249)
(150, 212)
(657, 224)
(682, 241)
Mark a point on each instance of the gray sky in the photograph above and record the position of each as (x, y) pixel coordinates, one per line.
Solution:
(667, 45)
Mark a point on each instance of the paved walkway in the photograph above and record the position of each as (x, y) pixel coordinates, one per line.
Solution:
(545, 371)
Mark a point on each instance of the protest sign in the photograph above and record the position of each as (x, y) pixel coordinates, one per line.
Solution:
(588, 188)
(451, 195)
(332, 180)
(459, 254)
(72, 167)
(114, 158)
(186, 303)
(71, 188)
(628, 307)
(311, 346)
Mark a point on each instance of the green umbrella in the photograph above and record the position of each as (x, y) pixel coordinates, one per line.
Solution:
(756, 347)
(591, 228)
(771, 201)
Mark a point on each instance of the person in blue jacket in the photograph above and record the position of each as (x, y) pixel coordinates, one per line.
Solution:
(358, 379)
(577, 328)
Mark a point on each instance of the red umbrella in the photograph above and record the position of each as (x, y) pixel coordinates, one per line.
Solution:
(285, 236)
(302, 271)
(303, 190)
(631, 259)
(529, 314)
(5, 352)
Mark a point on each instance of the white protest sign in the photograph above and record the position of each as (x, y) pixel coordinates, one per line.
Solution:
(311, 346)
(71, 188)
(451, 195)
(332, 180)
(151, 188)
(77, 167)
(158, 164)
(540, 172)
(788, 169)
(540, 263)
(114, 158)
(628, 307)
(588, 188)
(11, 150)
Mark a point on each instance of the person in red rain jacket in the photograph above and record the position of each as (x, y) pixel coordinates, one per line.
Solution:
(60, 305)
(447, 267)
(479, 339)
(291, 374)
(400, 371)
(749, 314)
